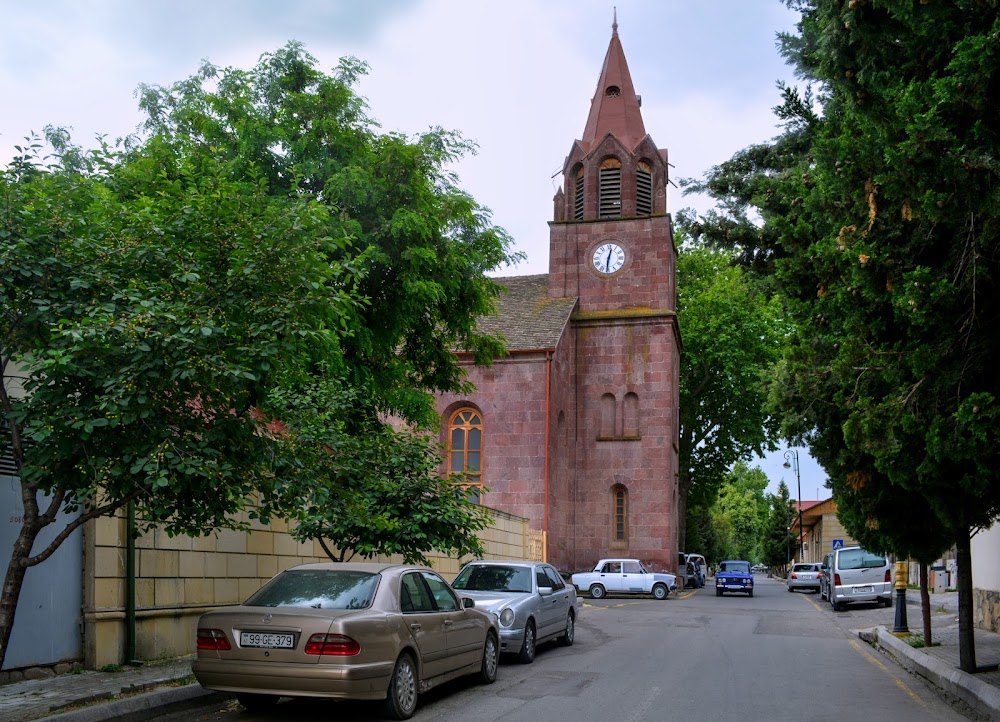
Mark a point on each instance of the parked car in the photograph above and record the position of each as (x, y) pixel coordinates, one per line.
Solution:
(854, 574)
(624, 576)
(805, 576)
(733, 575)
(349, 631)
(531, 600)
(693, 568)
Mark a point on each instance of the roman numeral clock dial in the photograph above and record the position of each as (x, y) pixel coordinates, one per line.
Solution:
(609, 257)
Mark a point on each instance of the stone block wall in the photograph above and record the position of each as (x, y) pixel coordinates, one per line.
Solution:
(180, 578)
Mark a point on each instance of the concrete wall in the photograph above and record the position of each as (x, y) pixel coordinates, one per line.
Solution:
(986, 578)
(180, 578)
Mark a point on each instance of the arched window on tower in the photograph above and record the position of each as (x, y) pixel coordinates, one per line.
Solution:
(619, 515)
(630, 416)
(608, 408)
(610, 192)
(578, 196)
(465, 449)
(644, 189)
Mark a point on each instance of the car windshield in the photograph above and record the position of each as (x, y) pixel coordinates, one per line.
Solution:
(493, 578)
(804, 568)
(735, 567)
(860, 559)
(318, 589)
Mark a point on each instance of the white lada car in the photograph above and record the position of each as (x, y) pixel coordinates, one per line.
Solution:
(624, 576)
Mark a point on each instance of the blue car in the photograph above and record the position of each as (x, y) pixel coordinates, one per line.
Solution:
(734, 575)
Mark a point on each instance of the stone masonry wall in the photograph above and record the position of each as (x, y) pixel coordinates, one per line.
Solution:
(179, 578)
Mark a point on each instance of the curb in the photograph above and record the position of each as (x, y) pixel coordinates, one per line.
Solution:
(978, 695)
(137, 708)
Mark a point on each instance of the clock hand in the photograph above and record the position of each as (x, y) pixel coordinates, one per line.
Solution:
(607, 264)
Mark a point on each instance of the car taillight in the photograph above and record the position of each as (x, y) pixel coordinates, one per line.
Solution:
(793, 576)
(888, 576)
(337, 645)
(214, 640)
(836, 579)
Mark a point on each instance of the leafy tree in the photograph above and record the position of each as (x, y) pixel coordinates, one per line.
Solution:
(371, 492)
(777, 541)
(147, 336)
(881, 229)
(742, 501)
(162, 301)
(733, 335)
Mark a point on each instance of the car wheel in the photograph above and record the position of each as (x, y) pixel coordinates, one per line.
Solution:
(888, 602)
(660, 591)
(256, 702)
(838, 606)
(401, 699)
(789, 589)
(597, 592)
(491, 659)
(566, 640)
(527, 653)
(750, 593)
(718, 592)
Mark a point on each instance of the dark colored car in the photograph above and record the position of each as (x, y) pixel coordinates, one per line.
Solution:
(733, 575)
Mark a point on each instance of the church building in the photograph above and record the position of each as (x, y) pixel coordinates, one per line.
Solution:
(576, 428)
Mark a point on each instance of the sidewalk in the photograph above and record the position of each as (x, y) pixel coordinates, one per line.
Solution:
(103, 696)
(131, 694)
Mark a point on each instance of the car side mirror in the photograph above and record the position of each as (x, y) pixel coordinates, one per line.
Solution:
(545, 591)
(468, 603)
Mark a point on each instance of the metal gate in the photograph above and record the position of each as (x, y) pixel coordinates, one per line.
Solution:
(48, 622)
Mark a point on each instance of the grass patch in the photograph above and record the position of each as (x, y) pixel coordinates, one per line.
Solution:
(111, 668)
(917, 641)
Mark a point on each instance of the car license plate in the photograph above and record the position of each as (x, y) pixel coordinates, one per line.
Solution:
(734, 586)
(267, 641)
(864, 590)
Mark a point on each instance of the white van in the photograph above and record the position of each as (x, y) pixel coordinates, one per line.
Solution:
(856, 575)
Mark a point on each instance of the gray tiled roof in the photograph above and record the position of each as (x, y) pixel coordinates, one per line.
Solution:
(528, 318)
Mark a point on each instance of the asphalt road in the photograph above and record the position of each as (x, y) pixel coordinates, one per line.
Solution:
(777, 656)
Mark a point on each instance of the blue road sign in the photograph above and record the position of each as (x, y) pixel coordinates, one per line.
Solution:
(838, 543)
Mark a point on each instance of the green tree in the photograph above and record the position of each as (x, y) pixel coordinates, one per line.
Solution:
(881, 228)
(148, 338)
(260, 238)
(742, 502)
(777, 541)
(733, 335)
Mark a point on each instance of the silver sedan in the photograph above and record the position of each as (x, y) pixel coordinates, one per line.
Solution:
(804, 576)
(531, 600)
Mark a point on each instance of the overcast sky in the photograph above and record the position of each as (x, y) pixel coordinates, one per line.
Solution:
(514, 76)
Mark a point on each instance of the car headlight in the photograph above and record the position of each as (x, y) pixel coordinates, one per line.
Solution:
(507, 617)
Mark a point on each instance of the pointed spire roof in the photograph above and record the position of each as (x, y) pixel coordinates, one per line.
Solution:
(615, 107)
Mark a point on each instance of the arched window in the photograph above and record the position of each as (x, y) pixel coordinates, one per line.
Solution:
(465, 449)
(619, 514)
(578, 196)
(644, 189)
(630, 416)
(608, 408)
(610, 192)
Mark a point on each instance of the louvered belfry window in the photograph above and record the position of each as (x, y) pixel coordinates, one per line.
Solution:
(610, 198)
(644, 190)
(578, 197)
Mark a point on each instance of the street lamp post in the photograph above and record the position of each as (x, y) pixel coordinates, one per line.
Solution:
(793, 456)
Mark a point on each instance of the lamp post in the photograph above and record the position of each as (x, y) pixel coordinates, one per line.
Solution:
(793, 456)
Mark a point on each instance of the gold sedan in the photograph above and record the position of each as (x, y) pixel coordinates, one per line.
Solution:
(348, 631)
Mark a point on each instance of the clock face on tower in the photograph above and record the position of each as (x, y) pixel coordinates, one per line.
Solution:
(609, 257)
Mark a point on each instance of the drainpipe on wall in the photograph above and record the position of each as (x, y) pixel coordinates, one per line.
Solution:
(130, 586)
(548, 401)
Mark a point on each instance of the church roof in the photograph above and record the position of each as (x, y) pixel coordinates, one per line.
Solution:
(615, 107)
(527, 316)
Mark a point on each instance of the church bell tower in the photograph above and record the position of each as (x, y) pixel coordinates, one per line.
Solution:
(611, 247)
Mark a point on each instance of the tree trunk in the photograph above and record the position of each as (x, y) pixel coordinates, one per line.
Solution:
(13, 582)
(925, 604)
(966, 632)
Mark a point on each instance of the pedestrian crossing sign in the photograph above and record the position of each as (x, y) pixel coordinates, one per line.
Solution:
(838, 543)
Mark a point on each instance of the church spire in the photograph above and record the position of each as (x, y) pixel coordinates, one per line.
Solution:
(615, 107)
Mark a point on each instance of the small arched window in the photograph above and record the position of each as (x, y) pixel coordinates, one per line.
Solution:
(608, 408)
(644, 190)
(619, 514)
(465, 449)
(630, 416)
(578, 196)
(610, 192)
